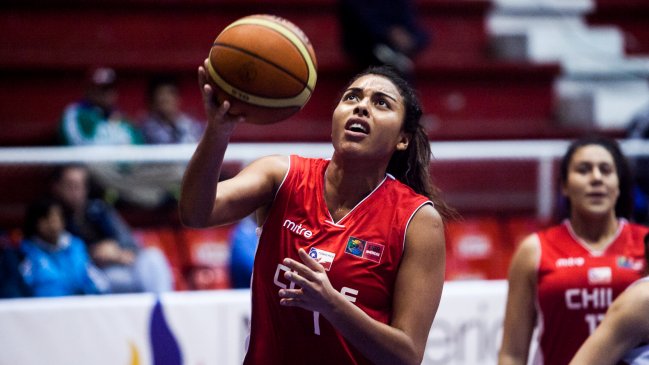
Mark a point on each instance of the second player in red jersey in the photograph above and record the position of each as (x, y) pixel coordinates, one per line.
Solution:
(563, 279)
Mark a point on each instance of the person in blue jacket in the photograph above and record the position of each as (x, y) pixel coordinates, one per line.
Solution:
(56, 262)
(243, 245)
(12, 284)
(130, 266)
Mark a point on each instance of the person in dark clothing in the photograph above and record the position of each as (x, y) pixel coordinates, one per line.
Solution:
(381, 32)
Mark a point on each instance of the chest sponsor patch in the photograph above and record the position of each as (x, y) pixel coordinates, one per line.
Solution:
(630, 263)
(364, 249)
(324, 258)
(599, 275)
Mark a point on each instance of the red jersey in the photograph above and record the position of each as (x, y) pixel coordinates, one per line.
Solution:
(576, 285)
(361, 254)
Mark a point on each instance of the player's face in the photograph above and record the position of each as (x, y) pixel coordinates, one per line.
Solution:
(369, 118)
(592, 185)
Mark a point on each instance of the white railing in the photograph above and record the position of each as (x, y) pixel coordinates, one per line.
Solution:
(545, 152)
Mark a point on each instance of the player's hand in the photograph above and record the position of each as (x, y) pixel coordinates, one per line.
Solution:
(216, 114)
(313, 291)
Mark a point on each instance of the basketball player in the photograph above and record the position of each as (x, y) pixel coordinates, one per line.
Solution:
(350, 263)
(564, 278)
(623, 335)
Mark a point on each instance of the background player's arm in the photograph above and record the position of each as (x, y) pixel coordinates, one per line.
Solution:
(625, 325)
(520, 312)
(201, 203)
(417, 293)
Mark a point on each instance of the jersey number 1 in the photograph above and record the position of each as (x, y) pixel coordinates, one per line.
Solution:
(349, 294)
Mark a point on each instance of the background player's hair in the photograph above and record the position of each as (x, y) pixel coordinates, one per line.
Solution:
(412, 166)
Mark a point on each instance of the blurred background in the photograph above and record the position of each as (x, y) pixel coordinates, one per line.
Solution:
(505, 84)
(501, 70)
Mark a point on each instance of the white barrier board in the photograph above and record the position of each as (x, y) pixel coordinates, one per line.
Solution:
(209, 328)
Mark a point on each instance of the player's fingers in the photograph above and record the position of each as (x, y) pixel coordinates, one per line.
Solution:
(300, 268)
(309, 261)
(292, 302)
(290, 293)
(202, 74)
(297, 279)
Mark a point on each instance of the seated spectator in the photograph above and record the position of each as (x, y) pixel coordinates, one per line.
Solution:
(165, 121)
(243, 245)
(111, 245)
(382, 32)
(55, 263)
(95, 119)
(12, 284)
(639, 129)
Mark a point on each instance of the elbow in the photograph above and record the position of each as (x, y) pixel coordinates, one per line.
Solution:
(192, 220)
(413, 356)
(191, 223)
(418, 357)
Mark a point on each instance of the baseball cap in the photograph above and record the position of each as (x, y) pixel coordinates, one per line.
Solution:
(103, 77)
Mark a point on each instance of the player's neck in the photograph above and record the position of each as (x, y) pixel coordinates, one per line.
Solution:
(596, 232)
(345, 187)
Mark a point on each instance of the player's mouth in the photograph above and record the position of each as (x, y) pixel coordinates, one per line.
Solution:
(357, 126)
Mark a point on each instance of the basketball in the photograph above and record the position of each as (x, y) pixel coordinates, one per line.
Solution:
(265, 66)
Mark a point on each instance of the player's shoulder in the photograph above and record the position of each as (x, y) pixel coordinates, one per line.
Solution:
(637, 295)
(426, 216)
(273, 163)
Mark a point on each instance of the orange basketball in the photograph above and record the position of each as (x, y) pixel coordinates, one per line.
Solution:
(265, 66)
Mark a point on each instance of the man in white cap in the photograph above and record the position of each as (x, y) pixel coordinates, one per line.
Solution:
(95, 119)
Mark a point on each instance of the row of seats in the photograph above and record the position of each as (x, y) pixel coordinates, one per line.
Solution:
(477, 248)
(46, 48)
(199, 259)
(628, 15)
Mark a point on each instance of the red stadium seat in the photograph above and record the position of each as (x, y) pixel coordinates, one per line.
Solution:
(207, 253)
(519, 227)
(165, 240)
(476, 249)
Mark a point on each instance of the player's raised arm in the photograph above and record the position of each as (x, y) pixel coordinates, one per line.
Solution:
(201, 203)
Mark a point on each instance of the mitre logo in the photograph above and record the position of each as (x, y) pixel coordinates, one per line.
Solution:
(297, 229)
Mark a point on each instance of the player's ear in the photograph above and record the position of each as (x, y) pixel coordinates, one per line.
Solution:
(403, 142)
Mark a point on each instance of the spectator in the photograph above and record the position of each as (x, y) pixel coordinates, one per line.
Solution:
(377, 32)
(112, 247)
(243, 245)
(12, 284)
(166, 122)
(56, 263)
(95, 119)
(639, 129)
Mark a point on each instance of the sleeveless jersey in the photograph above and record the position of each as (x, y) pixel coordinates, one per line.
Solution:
(360, 253)
(576, 285)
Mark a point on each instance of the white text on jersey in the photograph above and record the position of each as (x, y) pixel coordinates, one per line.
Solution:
(297, 228)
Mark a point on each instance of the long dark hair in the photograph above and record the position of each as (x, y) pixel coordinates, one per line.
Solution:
(412, 166)
(624, 204)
